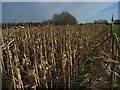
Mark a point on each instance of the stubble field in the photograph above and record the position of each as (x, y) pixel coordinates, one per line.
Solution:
(55, 56)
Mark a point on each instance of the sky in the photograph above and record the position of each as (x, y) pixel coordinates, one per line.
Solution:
(0, 12)
(118, 10)
(60, 0)
(40, 11)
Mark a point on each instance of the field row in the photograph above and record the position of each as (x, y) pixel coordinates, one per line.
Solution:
(48, 56)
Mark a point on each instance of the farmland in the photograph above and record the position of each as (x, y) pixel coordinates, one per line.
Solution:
(116, 30)
(69, 56)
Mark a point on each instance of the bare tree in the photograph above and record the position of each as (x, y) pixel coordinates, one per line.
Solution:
(64, 18)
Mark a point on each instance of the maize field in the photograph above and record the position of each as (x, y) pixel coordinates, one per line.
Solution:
(69, 56)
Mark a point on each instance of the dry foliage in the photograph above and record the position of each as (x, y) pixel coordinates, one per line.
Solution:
(54, 56)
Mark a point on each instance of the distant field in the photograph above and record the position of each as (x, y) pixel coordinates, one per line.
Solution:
(116, 29)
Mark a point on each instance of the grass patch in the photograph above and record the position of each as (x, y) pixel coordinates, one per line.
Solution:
(116, 29)
(87, 70)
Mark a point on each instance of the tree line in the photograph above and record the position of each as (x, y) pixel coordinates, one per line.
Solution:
(63, 18)
(101, 21)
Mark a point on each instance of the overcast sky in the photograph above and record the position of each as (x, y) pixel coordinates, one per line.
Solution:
(39, 11)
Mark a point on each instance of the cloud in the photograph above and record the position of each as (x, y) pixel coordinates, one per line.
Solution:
(119, 10)
(83, 11)
(60, 0)
(0, 12)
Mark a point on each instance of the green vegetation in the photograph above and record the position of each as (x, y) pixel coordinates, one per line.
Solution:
(86, 70)
(116, 29)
